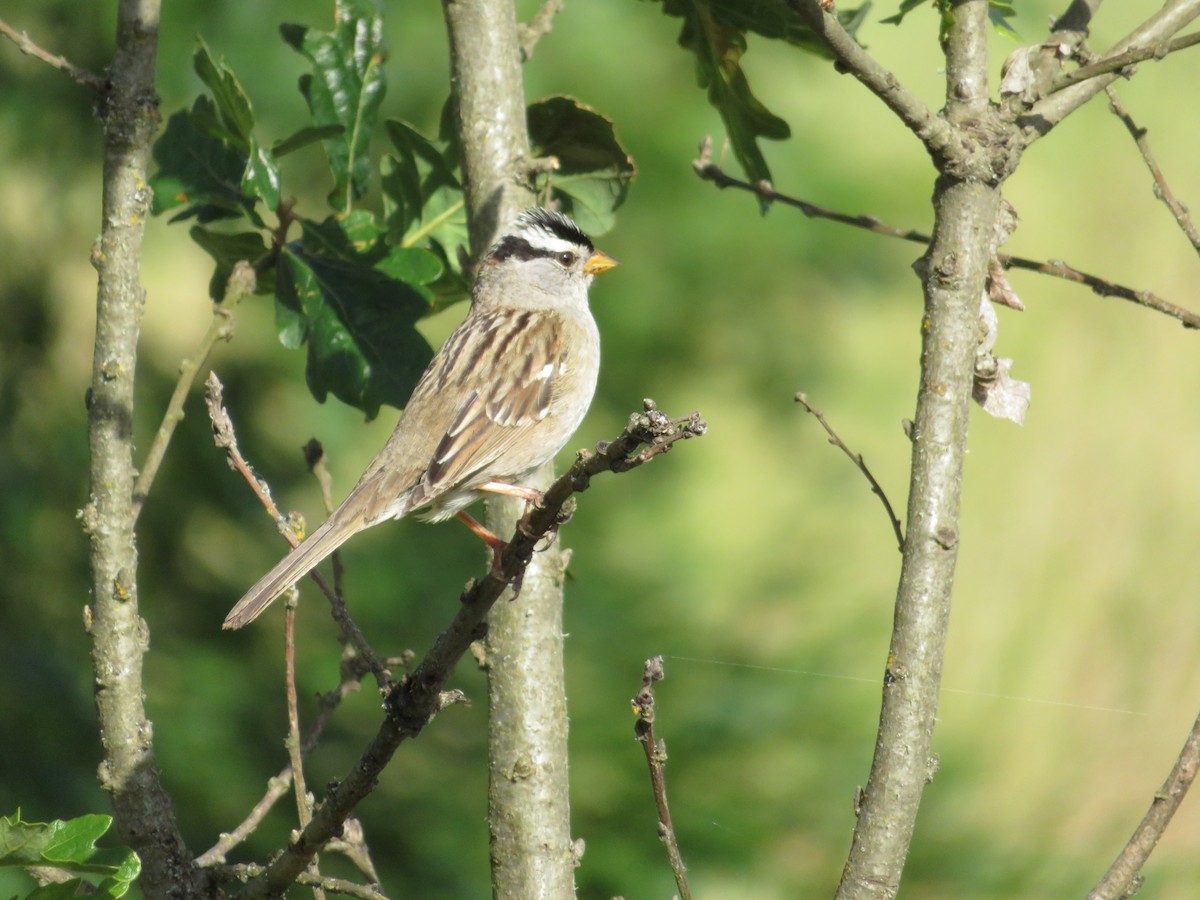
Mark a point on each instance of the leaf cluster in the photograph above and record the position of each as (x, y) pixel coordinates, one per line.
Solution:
(69, 848)
(352, 284)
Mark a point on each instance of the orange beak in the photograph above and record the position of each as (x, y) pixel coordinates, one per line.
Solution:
(599, 262)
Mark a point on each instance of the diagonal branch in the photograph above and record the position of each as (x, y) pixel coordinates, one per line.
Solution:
(1044, 115)
(1162, 190)
(656, 758)
(857, 459)
(709, 171)
(224, 437)
(413, 702)
(934, 132)
(1119, 62)
(1122, 879)
(27, 46)
(240, 285)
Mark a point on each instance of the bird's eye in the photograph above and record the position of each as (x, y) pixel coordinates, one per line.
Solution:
(566, 259)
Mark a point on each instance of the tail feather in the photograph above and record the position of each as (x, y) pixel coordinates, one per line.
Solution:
(303, 559)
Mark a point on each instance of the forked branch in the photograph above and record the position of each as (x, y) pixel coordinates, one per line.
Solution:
(415, 700)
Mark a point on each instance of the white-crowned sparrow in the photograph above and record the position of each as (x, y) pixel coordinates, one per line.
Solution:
(502, 396)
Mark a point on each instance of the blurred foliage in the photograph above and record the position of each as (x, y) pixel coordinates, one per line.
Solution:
(756, 560)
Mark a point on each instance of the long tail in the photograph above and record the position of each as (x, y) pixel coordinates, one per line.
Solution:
(304, 558)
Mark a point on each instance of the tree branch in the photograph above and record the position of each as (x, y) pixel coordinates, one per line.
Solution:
(120, 637)
(1121, 61)
(858, 461)
(656, 758)
(528, 816)
(1162, 190)
(413, 702)
(539, 26)
(709, 171)
(954, 272)
(1122, 879)
(1048, 112)
(225, 439)
(27, 46)
(933, 131)
(240, 284)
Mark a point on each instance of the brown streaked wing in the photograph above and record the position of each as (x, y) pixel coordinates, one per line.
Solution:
(512, 370)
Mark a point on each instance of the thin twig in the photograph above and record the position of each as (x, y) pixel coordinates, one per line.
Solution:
(241, 284)
(1048, 112)
(413, 702)
(226, 440)
(246, 872)
(1119, 61)
(539, 25)
(710, 171)
(1161, 189)
(303, 802)
(857, 459)
(26, 45)
(1122, 878)
(656, 758)
(353, 670)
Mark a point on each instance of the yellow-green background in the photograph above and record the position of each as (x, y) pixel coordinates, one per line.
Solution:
(755, 560)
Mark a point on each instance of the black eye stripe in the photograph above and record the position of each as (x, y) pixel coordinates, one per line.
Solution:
(513, 247)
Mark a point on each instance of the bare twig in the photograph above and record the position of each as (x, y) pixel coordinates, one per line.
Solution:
(1122, 878)
(539, 25)
(710, 171)
(1120, 61)
(656, 758)
(341, 886)
(225, 439)
(857, 459)
(241, 284)
(26, 45)
(413, 702)
(1161, 189)
(303, 801)
(353, 670)
(1047, 113)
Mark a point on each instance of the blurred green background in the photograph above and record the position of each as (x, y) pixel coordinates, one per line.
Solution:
(755, 560)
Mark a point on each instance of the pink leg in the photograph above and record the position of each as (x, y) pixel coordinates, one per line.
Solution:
(486, 536)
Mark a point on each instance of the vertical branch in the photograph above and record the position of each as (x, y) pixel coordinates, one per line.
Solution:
(953, 269)
(528, 802)
(143, 809)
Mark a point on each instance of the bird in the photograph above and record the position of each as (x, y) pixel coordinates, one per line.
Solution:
(500, 398)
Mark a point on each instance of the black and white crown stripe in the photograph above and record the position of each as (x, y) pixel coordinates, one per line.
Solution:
(542, 233)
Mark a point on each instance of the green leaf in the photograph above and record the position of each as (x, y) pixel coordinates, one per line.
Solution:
(718, 48)
(237, 118)
(594, 170)
(906, 6)
(261, 178)
(310, 134)
(71, 847)
(226, 249)
(778, 20)
(715, 32)
(197, 168)
(999, 13)
(423, 204)
(346, 88)
(355, 303)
